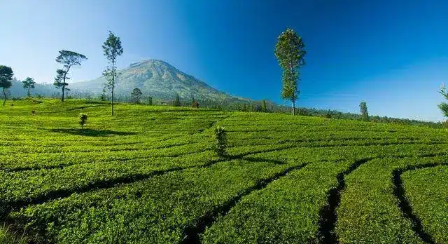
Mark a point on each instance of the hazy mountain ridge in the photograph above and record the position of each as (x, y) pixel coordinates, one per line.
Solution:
(17, 90)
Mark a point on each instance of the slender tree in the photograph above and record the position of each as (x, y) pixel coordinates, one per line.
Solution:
(28, 84)
(103, 95)
(364, 112)
(112, 49)
(150, 101)
(177, 101)
(136, 95)
(290, 52)
(6, 75)
(444, 106)
(68, 59)
(264, 108)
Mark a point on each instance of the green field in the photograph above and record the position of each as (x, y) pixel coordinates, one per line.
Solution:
(149, 175)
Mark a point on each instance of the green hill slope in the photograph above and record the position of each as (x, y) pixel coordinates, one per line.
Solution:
(149, 175)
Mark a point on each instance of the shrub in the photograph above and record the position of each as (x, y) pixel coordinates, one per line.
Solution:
(195, 104)
(221, 141)
(82, 119)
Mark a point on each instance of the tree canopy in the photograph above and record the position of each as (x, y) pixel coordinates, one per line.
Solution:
(136, 95)
(6, 75)
(70, 58)
(28, 84)
(444, 106)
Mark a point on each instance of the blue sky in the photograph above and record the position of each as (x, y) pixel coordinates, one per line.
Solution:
(392, 54)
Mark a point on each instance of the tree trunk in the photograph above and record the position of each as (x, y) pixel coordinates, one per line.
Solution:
(113, 83)
(4, 94)
(63, 93)
(63, 86)
(293, 107)
(112, 101)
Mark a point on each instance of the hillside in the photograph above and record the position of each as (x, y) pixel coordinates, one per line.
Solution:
(159, 80)
(149, 175)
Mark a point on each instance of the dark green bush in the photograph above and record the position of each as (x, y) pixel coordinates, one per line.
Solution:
(82, 119)
(221, 141)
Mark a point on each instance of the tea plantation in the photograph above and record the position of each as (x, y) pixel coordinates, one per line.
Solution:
(150, 175)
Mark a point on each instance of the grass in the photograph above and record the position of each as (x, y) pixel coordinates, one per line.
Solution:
(10, 237)
(150, 175)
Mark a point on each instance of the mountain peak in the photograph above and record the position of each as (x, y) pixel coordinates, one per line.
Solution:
(150, 62)
(158, 79)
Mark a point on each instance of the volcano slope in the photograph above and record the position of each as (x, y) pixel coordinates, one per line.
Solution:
(149, 175)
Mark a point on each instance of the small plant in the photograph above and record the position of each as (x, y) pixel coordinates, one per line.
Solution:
(82, 119)
(150, 101)
(221, 141)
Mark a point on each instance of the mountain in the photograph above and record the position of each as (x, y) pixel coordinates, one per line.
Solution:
(157, 79)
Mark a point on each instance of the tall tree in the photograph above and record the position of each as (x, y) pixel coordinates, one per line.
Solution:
(264, 108)
(176, 101)
(6, 75)
(112, 49)
(290, 52)
(28, 84)
(444, 106)
(136, 95)
(68, 59)
(364, 112)
(103, 95)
